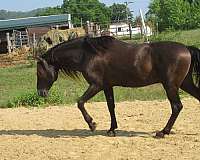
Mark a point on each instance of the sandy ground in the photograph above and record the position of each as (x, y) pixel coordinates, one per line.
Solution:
(57, 133)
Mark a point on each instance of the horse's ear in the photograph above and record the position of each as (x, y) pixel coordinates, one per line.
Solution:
(43, 61)
(39, 59)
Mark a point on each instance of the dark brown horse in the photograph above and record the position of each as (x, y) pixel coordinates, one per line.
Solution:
(106, 62)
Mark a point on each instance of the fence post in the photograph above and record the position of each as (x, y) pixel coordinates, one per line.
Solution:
(34, 45)
(20, 38)
(28, 40)
(8, 42)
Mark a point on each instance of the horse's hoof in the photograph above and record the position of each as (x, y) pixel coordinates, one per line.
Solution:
(111, 133)
(92, 126)
(160, 134)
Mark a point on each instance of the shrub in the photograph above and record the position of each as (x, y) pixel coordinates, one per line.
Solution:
(32, 99)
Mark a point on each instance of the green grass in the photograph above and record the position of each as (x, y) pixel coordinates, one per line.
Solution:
(18, 87)
(190, 37)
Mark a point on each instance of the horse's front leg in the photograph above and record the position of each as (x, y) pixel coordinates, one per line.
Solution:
(90, 92)
(111, 106)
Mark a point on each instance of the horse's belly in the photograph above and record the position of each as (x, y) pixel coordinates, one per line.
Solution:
(133, 79)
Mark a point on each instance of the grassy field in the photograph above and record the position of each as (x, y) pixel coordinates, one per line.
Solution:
(20, 80)
(190, 37)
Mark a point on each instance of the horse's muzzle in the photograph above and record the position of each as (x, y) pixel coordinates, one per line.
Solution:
(43, 93)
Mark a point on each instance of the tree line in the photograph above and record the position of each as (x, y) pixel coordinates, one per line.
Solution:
(81, 11)
(4, 14)
(91, 10)
(162, 14)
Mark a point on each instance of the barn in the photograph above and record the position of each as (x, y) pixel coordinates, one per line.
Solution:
(15, 33)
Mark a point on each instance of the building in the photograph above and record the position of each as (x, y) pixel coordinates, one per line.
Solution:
(15, 33)
(123, 29)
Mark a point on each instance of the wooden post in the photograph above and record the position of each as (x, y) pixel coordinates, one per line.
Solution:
(8, 42)
(20, 38)
(28, 41)
(34, 44)
(69, 21)
(81, 22)
(130, 30)
(13, 41)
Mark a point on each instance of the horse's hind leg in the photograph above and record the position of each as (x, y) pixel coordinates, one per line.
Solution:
(176, 105)
(189, 87)
(91, 91)
(111, 106)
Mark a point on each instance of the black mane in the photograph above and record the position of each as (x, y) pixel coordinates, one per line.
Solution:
(99, 44)
(94, 46)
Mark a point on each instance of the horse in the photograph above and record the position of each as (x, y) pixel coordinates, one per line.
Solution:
(105, 62)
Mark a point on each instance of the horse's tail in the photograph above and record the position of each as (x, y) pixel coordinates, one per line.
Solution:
(195, 63)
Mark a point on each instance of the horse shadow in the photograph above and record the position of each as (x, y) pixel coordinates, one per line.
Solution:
(82, 133)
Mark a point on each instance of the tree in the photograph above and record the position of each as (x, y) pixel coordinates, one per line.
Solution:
(194, 20)
(173, 14)
(86, 10)
(119, 12)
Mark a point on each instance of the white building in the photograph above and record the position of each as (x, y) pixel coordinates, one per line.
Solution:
(122, 29)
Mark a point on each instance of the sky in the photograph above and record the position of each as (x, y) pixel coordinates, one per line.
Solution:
(27, 5)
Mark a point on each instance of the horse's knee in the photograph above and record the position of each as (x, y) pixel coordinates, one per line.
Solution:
(80, 104)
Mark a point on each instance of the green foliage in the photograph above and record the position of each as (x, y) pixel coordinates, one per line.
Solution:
(87, 10)
(32, 99)
(174, 14)
(118, 12)
(90, 10)
(29, 99)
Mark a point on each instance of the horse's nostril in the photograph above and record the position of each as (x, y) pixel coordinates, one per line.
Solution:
(39, 93)
(45, 93)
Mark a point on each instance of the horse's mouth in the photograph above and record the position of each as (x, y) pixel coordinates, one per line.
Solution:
(43, 93)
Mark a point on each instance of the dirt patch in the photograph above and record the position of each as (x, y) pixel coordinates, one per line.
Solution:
(57, 133)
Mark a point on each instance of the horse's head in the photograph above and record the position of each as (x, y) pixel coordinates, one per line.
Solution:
(46, 76)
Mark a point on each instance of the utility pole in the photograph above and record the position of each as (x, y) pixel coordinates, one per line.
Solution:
(126, 3)
(127, 18)
(144, 26)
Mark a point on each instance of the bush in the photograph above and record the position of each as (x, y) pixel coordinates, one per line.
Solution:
(32, 99)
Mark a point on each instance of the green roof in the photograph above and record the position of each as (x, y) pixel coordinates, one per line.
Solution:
(33, 21)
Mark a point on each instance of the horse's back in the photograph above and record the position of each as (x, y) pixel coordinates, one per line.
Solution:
(144, 64)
